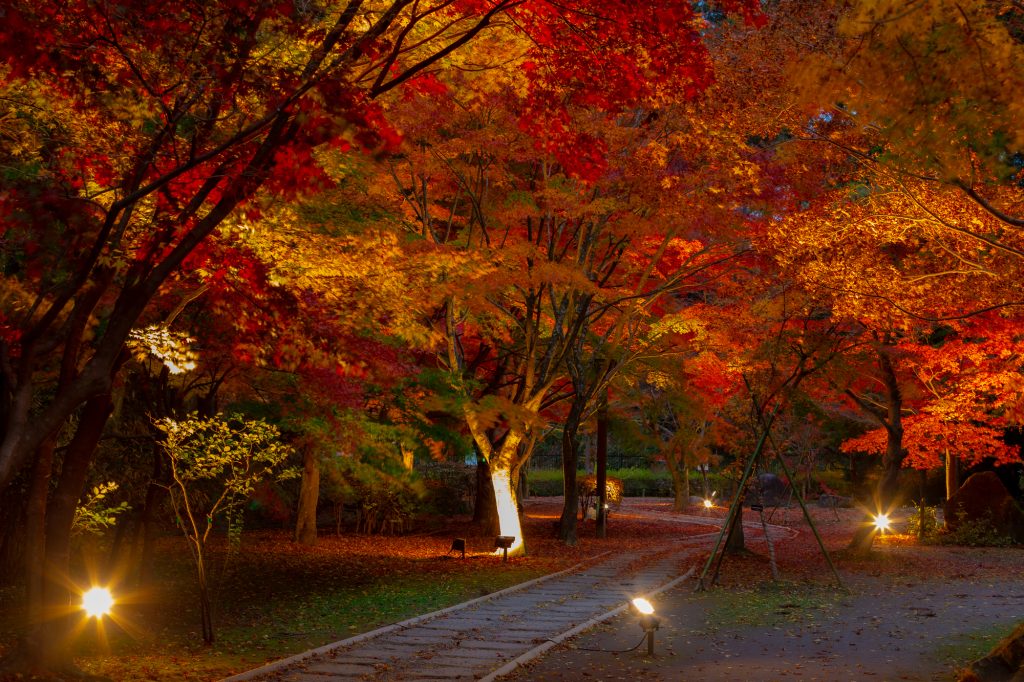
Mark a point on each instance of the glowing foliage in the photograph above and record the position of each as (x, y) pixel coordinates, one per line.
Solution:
(172, 349)
(234, 451)
(95, 513)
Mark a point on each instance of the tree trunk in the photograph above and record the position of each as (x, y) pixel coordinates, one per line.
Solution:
(48, 551)
(305, 522)
(12, 536)
(680, 499)
(952, 474)
(602, 468)
(205, 607)
(887, 493)
(146, 530)
(35, 533)
(570, 457)
(115, 561)
(485, 509)
(588, 455)
(680, 489)
(60, 517)
(508, 512)
(736, 543)
(524, 485)
(504, 464)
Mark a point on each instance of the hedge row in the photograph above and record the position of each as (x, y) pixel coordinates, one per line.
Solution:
(636, 482)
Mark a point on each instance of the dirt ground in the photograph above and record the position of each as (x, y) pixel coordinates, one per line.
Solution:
(907, 613)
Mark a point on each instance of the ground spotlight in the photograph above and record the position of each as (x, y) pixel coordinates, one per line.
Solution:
(644, 612)
(882, 523)
(97, 602)
(503, 542)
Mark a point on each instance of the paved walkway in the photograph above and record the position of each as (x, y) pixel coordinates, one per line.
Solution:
(488, 637)
(472, 642)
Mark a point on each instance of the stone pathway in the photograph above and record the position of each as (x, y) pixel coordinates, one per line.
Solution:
(486, 638)
(474, 641)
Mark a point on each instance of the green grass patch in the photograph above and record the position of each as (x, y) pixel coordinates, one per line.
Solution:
(282, 624)
(959, 650)
(771, 604)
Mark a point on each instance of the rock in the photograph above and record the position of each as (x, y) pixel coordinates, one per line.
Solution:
(834, 501)
(696, 501)
(768, 490)
(983, 498)
(1004, 662)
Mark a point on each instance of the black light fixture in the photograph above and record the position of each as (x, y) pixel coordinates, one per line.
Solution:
(503, 542)
(644, 611)
(458, 545)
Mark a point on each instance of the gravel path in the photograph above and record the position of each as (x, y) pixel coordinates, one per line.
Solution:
(883, 628)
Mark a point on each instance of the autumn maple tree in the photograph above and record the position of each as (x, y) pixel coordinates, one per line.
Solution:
(682, 415)
(553, 283)
(962, 387)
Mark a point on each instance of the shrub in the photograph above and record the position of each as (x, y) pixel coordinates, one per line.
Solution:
(639, 482)
(586, 487)
(450, 486)
(975, 533)
(546, 482)
(386, 504)
(833, 480)
(216, 464)
(636, 482)
(930, 528)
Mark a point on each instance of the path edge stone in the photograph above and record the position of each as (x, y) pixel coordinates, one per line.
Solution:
(415, 620)
(558, 639)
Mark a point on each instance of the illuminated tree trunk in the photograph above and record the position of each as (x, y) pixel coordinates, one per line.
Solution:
(508, 510)
(504, 463)
(408, 457)
(952, 474)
